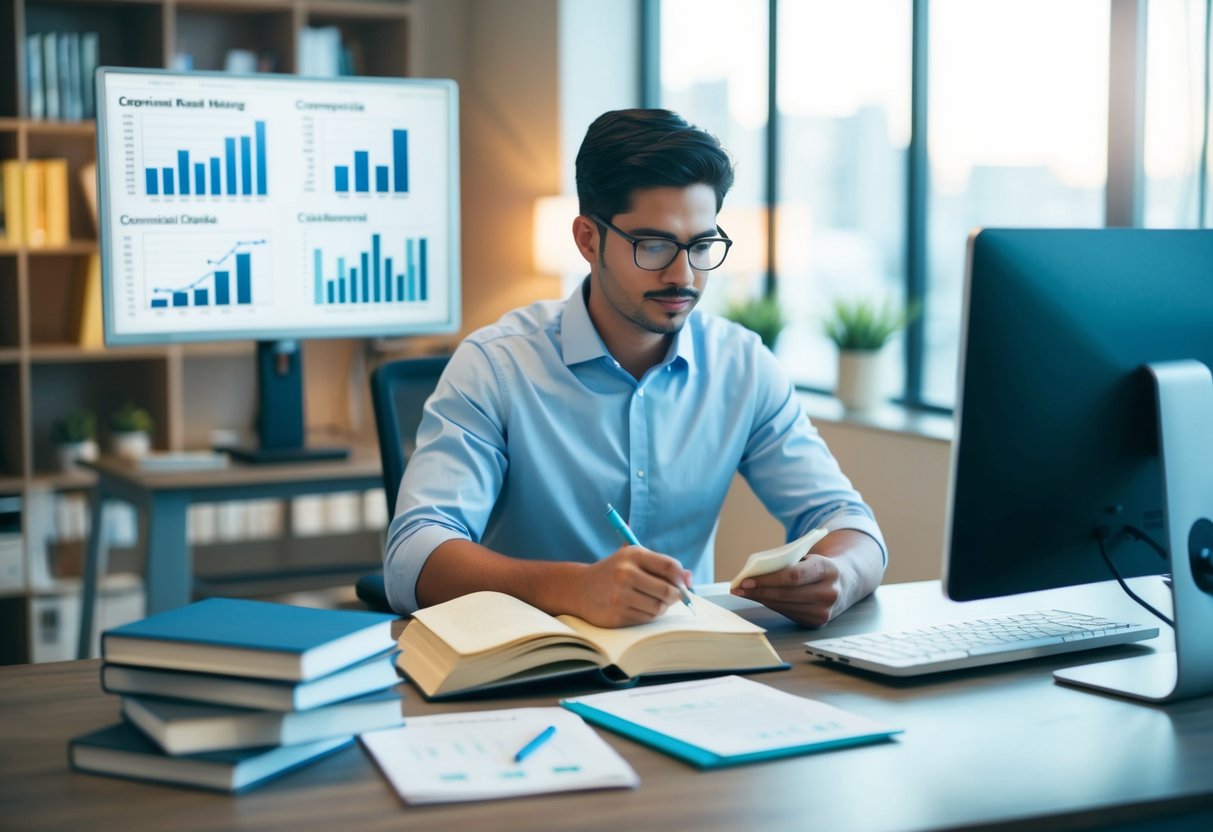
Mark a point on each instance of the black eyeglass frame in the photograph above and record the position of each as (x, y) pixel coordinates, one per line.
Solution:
(678, 247)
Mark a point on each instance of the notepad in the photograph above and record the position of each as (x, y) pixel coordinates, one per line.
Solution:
(727, 721)
(470, 756)
(781, 557)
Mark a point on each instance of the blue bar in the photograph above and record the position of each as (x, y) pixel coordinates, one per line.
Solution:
(181, 299)
(244, 282)
(424, 292)
(159, 303)
(378, 274)
(410, 268)
(222, 293)
(214, 176)
(381, 179)
(353, 285)
(332, 292)
(246, 166)
(400, 287)
(200, 297)
(229, 151)
(361, 172)
(168, 181)
(319, 279)
(199, 178)
(400, 161)
(366, 278)
(341, 177)
(183, 171)
(153, 183)
(341, 287)
(259, 128)
(387, 280)
(342, 277)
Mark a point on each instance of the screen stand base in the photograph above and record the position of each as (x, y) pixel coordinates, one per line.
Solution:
(280, 421)
(1185, 422)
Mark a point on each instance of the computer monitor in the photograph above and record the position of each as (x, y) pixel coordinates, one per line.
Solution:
(276, 208)
(1085, 412)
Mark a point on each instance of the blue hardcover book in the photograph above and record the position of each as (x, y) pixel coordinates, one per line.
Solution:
(121, 751)
(181, 727)
(367, 676)
(238, 637)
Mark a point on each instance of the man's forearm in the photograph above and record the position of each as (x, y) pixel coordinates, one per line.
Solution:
(458, 567)
(856, 553)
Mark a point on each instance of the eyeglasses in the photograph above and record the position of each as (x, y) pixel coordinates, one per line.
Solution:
(656, 253)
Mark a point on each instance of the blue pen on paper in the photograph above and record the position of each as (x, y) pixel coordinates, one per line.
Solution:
(629, 537)
(529, 748)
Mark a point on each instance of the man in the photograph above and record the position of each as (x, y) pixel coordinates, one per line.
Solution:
(623, 394)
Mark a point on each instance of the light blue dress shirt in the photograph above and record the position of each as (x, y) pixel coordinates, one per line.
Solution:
(534, 428)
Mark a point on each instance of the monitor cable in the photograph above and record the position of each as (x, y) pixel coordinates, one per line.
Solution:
(1134, 534)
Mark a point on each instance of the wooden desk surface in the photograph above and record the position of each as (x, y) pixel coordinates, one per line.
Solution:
(1000, 746)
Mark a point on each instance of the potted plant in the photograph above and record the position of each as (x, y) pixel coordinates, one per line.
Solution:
(75, 438)
(761, 315)
(861, 329)
(131, 431)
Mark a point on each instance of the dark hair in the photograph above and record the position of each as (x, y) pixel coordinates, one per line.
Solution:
(627, 150)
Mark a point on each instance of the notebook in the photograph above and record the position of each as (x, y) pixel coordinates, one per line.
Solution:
(726, 721)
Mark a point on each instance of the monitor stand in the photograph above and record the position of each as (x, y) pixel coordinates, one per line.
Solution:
(280, 422)
(1185, 421)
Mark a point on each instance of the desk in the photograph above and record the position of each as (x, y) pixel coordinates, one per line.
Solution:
(162, 500)
(1001, 746)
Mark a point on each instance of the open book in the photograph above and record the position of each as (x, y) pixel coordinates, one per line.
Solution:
(488, 639)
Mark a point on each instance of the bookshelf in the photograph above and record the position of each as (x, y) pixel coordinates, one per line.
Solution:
(45, 370)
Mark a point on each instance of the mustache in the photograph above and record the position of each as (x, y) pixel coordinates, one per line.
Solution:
(673, 293)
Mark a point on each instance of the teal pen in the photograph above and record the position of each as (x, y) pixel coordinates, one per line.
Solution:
(544, 736)
(629, 538)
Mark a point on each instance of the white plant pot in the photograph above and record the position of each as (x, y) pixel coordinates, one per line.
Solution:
(860, 379)
(131, 444)
(72, 452)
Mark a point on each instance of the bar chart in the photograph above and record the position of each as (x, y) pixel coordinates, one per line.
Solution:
(362, 166)
(224, 280)
(216, 160)
(390, 269)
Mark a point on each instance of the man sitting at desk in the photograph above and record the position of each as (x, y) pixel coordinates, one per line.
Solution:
(623, 394)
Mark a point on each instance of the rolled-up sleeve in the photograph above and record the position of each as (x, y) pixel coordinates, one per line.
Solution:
(454, 476)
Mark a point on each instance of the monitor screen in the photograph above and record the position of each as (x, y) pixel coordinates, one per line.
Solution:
(276, 208)
(273, 208)
(1057, 425)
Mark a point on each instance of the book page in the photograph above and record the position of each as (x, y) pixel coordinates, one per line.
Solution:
(674, 622)
(731, 716)
(470, 756)
(482, 621)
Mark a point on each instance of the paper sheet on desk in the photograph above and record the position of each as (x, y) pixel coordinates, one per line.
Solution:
(470, 756)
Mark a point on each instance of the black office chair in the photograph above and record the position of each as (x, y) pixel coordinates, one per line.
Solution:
(398, 392)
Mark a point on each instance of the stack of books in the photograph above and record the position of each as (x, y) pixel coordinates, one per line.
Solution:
(227, 693)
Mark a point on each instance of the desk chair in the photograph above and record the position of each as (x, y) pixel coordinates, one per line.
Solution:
(398, 392)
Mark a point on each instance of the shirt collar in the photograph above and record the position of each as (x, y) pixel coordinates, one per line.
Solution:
(581, 342)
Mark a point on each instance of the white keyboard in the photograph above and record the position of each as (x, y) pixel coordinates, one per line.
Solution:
(954, 645)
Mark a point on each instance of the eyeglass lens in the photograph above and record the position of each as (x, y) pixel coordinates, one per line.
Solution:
(656, 254)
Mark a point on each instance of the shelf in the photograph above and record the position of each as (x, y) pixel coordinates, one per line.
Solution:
(73, 248)
(48, 127)
(11, 485)
(9, 355)
(65, 480)
(57, 353)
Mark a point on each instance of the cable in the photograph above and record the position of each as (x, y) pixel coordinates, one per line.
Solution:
(1103, 552)
(1134, 533)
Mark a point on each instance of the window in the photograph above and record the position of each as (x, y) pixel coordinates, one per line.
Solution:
(1016, 97)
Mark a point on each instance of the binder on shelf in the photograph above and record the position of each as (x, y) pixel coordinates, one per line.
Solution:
(90, 48)
(36, 103)
(50, 74)
(55, 201)
(69, 76)
(12, 190)
(89, 323)
(34, 202)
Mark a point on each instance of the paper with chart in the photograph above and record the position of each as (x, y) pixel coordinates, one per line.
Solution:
(731, 716)
(470, 756)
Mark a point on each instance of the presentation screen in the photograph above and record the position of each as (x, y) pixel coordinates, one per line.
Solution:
(271, 207)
